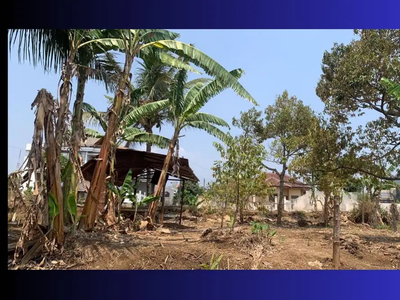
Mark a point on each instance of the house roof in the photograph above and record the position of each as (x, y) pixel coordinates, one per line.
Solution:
(96, 143)
(139, 161)
(289, 182)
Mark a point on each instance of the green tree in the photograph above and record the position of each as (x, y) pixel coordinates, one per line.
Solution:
(354, 82)
(242, 162)
(191, 193)
(287, 126)
(133, 43)
(184, 102)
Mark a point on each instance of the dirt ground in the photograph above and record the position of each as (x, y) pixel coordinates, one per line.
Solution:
(186, 246)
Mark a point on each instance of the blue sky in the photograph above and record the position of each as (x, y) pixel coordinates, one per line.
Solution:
(273, 61)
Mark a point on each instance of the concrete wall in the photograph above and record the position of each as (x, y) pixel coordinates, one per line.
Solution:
(303, 203)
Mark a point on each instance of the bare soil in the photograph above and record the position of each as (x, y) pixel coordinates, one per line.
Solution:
(192, 245)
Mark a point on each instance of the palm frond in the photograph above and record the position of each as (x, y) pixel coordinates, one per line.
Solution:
(176, 96)
(93, 133)
(210, 66)
(138, 136)
(49, 47)
(93, 117)
(196, 81)
(209, 91)
(208, 118)
(145, 110)
(210, 129)
(152, 35)
(106, 69)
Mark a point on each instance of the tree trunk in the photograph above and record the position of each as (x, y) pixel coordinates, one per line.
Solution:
(71, 184)
(241, 217)
(362, 212)
(90, 207)
(375, 212)
(223, 213)
(163, 176)
(326, 210)
(281, 197)
(395, 216)
(237, 206)
(59, 134)
(336, 233)
(182, 199)
(110, 216)
(162, 206)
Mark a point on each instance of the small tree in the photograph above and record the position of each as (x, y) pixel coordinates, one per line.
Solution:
(242, 160)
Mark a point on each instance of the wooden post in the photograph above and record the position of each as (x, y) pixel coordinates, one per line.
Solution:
(336, 232)
(162, 204)
(182, 192)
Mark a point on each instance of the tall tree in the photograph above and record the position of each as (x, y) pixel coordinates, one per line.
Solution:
(133, 43)
(351, 85)
(153, 80)
(184, 102)
(287, 125)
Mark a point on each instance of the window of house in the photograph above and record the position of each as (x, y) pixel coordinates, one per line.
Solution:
(167, 194)
(294, 197)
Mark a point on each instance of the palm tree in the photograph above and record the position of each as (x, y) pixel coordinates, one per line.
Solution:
(184, 102)
(133, 43)
(153, 80)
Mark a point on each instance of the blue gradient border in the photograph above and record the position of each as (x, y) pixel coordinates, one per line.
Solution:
(206, 14)
(196, 285)
(193, 285)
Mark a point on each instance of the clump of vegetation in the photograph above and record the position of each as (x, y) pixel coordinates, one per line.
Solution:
(262, 229)
(213, 264)
(263, 210)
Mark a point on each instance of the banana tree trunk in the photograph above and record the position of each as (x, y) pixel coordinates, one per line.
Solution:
(56, 189)
(97, 182)
(163, 176)
(71, 184)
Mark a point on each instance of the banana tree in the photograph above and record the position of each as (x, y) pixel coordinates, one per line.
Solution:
(184, 102)
(133, 43)
(57, 49)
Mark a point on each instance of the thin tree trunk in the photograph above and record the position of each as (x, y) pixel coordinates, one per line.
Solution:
(90, 207)
(223, 213)
(59, 134)
(336, 233)
(281, 197)
(326, 211)
(162, 206)
(375, 212)
(237, 206)
(241, 217)
(71, 184)
(182, 198)
(362, 212)
(163, 176)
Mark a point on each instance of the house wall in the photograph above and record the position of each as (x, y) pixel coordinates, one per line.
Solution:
(304, 202)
